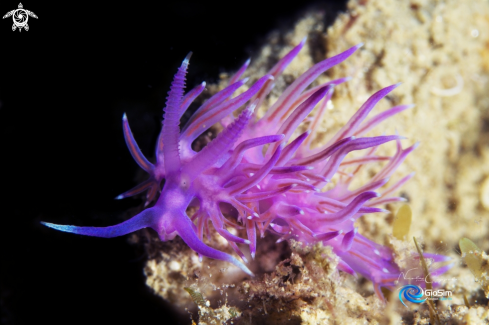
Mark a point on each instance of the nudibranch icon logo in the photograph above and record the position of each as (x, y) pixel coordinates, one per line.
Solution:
(411, 293)
(20, 17)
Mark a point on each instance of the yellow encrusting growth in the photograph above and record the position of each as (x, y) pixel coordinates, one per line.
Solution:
(402, 222)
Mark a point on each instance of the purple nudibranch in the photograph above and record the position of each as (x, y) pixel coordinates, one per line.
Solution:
(279, 190)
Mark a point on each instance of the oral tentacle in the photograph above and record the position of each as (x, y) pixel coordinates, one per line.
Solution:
(143, 220)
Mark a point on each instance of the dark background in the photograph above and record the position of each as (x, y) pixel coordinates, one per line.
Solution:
(64, 86)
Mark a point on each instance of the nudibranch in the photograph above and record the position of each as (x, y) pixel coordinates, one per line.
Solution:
(274, 182)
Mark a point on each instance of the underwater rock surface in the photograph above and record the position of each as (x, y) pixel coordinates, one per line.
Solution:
(440, 50)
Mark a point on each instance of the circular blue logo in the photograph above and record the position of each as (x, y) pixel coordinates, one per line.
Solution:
(411, 293)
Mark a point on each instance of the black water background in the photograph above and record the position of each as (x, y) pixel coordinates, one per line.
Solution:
(64, 86)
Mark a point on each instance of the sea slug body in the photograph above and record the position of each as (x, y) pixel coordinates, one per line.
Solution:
(280, 189)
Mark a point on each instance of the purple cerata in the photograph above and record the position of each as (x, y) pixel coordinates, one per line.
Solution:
(279, 189)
